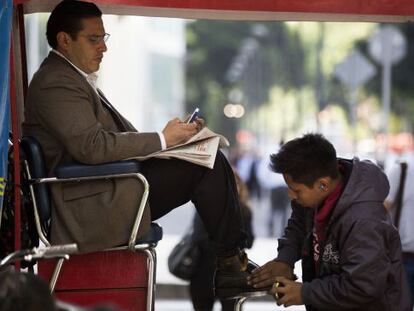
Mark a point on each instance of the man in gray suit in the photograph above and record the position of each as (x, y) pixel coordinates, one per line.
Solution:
(74, 122)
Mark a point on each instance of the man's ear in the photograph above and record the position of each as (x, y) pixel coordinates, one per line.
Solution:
(63, 40)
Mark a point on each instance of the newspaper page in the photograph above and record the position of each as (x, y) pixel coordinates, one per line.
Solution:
(201, 149)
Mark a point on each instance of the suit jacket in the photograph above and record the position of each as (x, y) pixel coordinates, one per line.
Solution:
(65, 114)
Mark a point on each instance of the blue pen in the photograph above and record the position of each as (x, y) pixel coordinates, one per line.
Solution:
(194, 116)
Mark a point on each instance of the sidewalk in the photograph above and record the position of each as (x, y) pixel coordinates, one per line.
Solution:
(172, 292)
(264, 249)
(179, 305)
(177, 222)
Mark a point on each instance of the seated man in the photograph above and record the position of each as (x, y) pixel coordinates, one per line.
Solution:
(339, 228)
(73, 121)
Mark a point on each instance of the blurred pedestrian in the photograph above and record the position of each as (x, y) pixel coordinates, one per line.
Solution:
(278, 197)
(246, 165)
(400, 203)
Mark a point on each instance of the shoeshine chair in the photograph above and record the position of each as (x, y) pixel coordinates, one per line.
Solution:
(121, 276)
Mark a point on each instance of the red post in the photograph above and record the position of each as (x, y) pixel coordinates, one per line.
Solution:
(23, 58)
(16, 155)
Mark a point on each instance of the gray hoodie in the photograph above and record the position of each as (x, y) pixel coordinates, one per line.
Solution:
(361, 265)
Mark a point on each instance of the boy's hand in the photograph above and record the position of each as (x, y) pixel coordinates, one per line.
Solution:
(288, 293)
(266, 275)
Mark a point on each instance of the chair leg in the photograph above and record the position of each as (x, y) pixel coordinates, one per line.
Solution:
(239, 303)
(152, 263)
(55, 274)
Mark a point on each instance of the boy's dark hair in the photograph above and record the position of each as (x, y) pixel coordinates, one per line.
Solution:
(67, 16)
(24, 292)
(306, 159)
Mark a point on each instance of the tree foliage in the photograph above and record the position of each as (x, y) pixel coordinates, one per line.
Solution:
(213, 47)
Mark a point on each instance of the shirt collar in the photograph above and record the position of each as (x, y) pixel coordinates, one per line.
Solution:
(92, 78)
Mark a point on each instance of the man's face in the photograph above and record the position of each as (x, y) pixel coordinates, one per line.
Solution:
(305, 196)
(86, 51)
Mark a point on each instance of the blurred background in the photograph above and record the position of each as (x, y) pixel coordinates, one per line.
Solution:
(259, 84)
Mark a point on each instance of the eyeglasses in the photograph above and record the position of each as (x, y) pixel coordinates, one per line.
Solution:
(96, 39)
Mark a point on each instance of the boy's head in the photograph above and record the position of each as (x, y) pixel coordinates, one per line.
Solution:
(309, 167)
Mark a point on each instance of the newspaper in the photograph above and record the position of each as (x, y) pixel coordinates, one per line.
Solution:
(201, 149)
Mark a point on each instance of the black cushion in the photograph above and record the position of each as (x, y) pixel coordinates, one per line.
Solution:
(75, 170)
(153, 235)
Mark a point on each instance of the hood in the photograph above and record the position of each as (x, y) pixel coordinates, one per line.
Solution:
(365, 182)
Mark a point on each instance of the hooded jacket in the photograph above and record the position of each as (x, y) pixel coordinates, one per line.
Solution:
(361, 265)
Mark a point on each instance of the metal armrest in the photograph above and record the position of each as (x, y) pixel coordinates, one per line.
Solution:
(78, 173)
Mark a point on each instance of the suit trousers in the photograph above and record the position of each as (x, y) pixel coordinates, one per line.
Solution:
(213, 192)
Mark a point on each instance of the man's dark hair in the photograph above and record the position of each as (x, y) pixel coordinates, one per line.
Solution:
(67, 16)
(306, 159)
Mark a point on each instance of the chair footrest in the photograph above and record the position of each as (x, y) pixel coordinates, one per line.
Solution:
(250, 294)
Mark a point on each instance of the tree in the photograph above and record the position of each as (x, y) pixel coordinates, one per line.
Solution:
(215, 46)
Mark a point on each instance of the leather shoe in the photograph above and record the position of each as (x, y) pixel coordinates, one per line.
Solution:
(230, 278)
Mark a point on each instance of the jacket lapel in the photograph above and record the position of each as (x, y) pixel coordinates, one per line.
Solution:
(122, 124)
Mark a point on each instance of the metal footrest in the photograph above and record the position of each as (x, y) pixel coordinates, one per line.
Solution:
(242, 297)
(250, 294)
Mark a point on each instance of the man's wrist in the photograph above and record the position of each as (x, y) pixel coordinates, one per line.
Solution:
(162, 140)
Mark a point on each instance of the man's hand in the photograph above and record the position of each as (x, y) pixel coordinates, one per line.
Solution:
(288, 292)
(266, 275)
(199, 121)
(177, 132)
